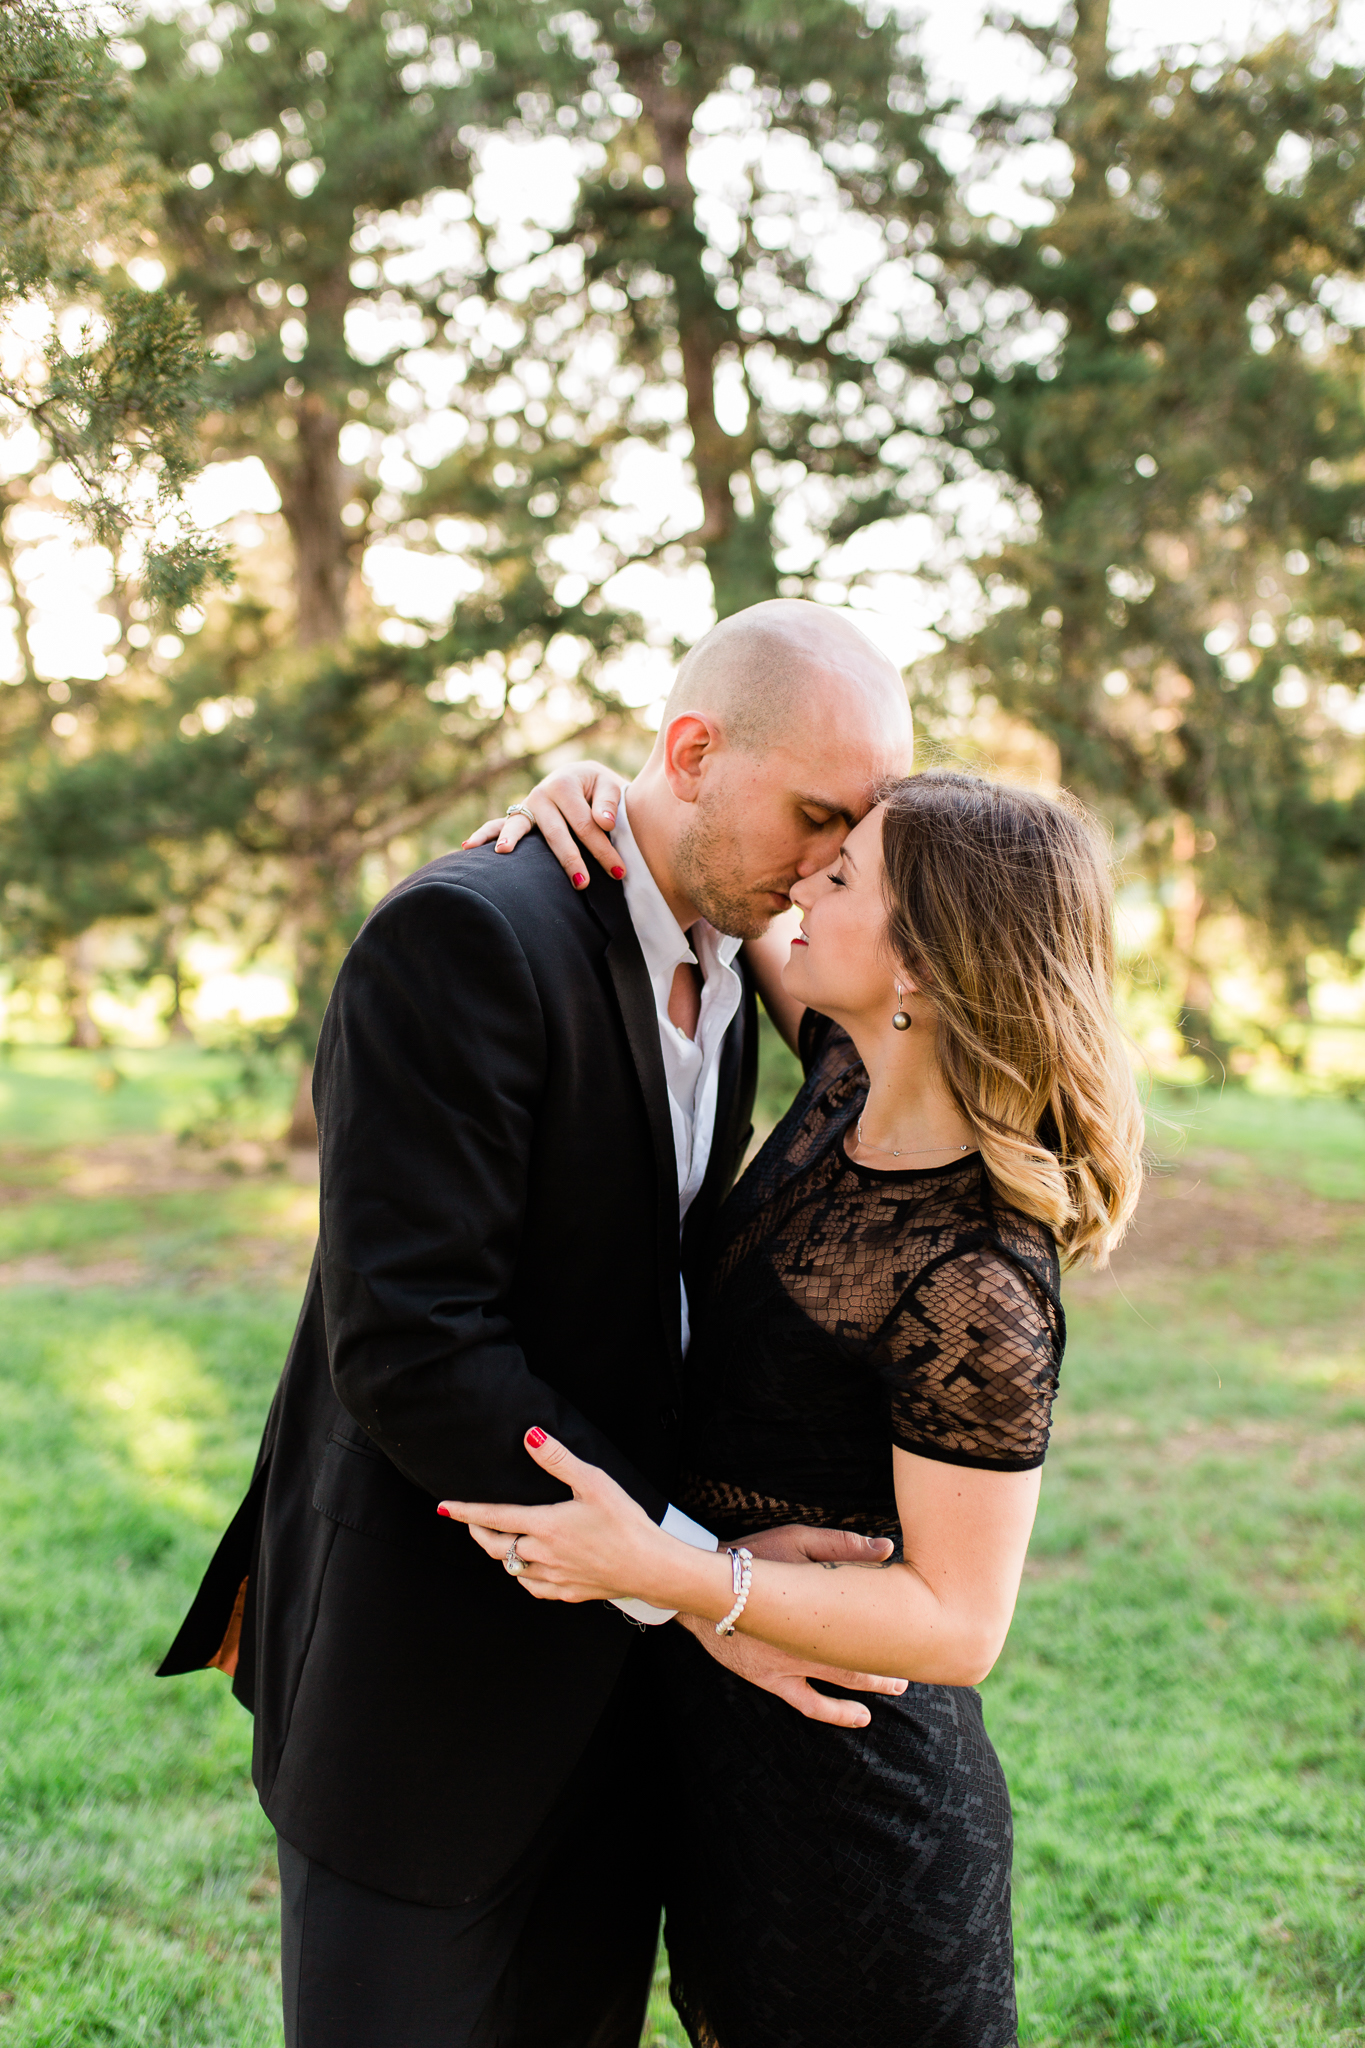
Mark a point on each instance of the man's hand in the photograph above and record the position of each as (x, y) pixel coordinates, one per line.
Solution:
(796, 1543)
(776, 1671)
(788, 1677)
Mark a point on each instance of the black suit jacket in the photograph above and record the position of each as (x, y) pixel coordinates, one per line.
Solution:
(498, 1248)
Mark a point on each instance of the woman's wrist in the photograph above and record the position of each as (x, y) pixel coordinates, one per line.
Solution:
(691, 1580)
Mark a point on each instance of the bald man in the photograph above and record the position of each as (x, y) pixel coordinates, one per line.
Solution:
(464, 1782)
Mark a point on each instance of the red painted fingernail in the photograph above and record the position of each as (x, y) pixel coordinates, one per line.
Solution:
(535, 1438)
(580, 881)
(443, 1510)
(618, 874)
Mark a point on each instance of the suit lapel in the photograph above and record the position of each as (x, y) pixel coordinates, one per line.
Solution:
(635, 1000)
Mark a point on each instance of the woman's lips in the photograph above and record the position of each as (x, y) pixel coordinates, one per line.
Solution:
(799, 941)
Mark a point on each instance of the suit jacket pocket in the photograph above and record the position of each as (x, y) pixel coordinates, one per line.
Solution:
(357, 1486)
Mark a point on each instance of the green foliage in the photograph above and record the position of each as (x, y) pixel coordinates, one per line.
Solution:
(297, 139)
(1166, 377)
(1162, 383)
(264, 822)
(739, 293)
(67, 167)
(116, 396)
(298, 147)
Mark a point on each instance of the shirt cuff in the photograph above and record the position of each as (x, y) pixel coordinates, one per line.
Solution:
(674, 1523)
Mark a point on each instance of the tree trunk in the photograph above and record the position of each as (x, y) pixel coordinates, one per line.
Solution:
(738, 550)
(176, 1024)
(17, 599)
(77, 959)
(1196, 999)
(319, 945)
(311, 488)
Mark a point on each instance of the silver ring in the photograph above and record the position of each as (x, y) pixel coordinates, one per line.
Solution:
(519, 811)
(514, 1562)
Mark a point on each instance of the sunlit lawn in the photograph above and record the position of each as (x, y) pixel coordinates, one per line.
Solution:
(1180, 1708)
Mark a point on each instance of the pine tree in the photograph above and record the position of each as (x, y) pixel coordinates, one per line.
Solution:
(1166, 378)
(745, 323)
(306, 149)
(112, 391)
(115, 397)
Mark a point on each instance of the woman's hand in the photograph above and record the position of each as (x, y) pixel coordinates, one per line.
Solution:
(584, 796)
(601, 1545)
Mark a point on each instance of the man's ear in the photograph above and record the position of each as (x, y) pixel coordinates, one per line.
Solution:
(688, 741)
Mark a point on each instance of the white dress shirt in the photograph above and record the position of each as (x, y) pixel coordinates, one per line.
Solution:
(691, 1071)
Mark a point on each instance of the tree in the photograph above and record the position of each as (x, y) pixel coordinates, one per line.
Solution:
(305, 150)
(114, 396)
(751, 187)
(756, 317)
(110, 385)
(1165, 378)
(260, 771)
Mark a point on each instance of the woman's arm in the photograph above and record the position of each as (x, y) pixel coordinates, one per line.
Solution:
(940, 1618)
(767, 957)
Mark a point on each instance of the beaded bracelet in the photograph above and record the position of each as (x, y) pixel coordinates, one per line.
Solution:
(741, 1574)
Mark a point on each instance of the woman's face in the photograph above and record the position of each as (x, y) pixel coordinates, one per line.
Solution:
(840, 963)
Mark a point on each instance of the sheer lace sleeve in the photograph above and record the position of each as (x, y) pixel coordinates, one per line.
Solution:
(970, 1363)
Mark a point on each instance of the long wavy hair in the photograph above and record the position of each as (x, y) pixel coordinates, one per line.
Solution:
(1000, 904)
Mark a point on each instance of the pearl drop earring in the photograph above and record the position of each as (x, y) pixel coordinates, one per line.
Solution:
(902, 1019)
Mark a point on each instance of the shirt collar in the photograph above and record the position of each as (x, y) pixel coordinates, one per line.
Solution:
(663, 941)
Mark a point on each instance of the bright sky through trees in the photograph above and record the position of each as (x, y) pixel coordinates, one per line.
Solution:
(527, 185)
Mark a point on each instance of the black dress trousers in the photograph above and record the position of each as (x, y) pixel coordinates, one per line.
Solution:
(559, 1954)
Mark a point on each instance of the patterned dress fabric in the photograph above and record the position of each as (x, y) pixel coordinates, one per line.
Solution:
(849, 1888)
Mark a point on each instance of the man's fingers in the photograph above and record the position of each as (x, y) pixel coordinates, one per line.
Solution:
(860, 1681)
(842, 1546)
(816, 1707)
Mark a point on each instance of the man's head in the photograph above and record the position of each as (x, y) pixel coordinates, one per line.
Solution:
(778, 728)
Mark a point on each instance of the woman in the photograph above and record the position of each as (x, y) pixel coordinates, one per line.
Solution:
(879, 1350)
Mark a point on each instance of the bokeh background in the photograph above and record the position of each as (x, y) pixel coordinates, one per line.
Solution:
(389, 395)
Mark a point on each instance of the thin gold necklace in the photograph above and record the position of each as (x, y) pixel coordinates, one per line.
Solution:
(906, 1151)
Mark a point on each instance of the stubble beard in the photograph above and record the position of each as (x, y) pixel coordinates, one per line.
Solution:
(709, 864)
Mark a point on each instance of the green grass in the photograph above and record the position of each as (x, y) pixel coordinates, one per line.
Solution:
(54, 1095)
(1179, 1709)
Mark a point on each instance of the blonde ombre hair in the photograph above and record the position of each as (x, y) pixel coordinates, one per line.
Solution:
(1000, 902)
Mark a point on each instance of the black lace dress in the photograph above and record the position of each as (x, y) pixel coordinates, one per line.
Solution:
(849, 1888)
